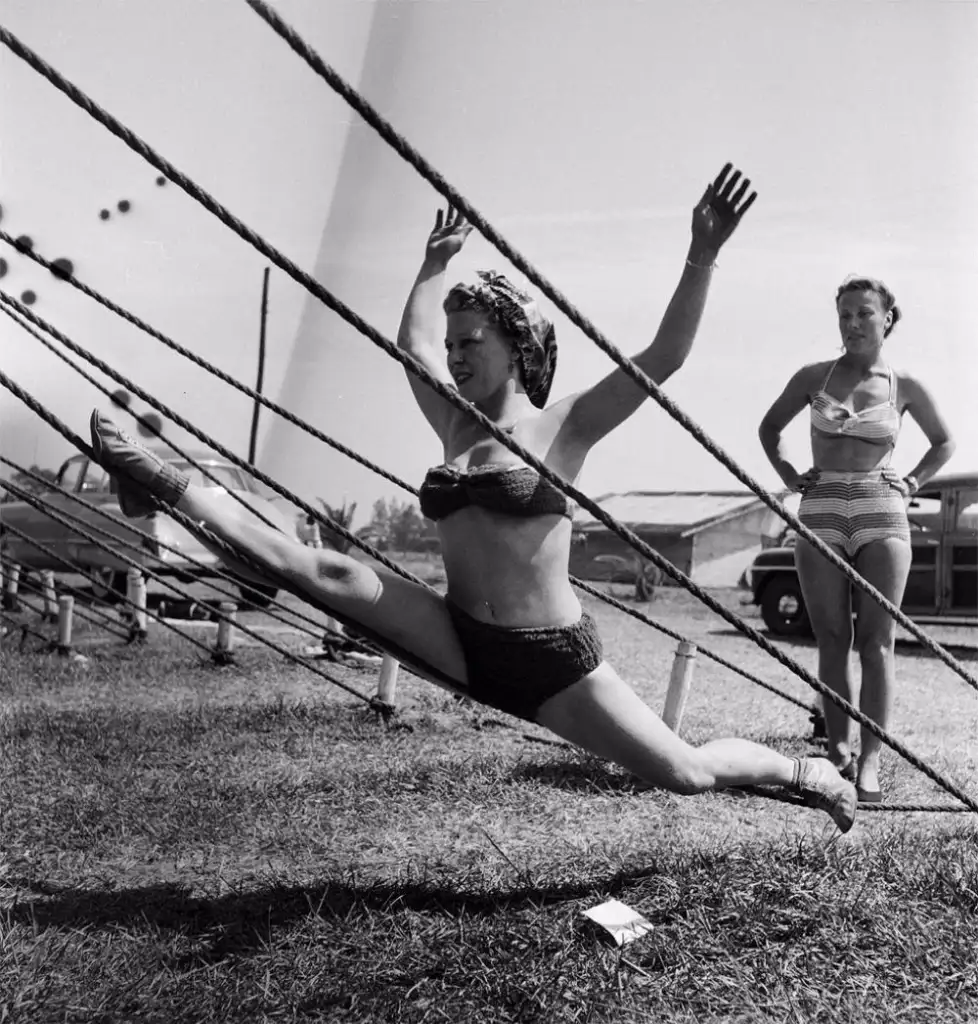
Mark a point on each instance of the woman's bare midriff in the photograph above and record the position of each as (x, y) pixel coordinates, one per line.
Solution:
(848, 454)
(508, 570)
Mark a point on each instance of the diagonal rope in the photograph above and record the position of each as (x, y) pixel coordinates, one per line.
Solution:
(132, 546)
(256, 396)
(450, 394)
(302, 424)
(444, 680)
(454, 399)
(417, 664)
(171, 444)
(320, 628)
(404, 149)
(103, 621)
(78, 528)
(8, 300)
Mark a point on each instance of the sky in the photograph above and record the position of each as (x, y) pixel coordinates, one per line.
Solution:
(584, 132)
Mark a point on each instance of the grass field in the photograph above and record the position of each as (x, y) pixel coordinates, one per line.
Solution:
(182, 842)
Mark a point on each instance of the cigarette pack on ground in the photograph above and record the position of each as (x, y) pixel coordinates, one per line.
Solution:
(620, 921)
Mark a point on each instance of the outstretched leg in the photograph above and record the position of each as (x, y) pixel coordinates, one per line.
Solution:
(404, 613)
(605, 716)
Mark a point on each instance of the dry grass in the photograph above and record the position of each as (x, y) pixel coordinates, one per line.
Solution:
(186, 843)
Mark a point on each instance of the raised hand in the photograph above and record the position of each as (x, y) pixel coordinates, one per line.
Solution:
(447, 236)
(717, 214)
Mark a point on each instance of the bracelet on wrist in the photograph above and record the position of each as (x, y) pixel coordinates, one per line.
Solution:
(912, 485)
(702, 266)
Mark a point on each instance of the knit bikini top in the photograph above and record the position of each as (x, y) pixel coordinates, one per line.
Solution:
(509, 490)
(878, 424)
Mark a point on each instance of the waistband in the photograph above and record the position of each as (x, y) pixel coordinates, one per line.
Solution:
(854, 474)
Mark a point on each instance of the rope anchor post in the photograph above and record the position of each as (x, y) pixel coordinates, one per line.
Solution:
(223, 653)
(680, 681)
(50, 596)
(136, 593)
(66, 613)
(10, 587)
(383, 700)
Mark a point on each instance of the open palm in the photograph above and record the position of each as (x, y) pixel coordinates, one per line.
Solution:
(448, 235)
(717, 214)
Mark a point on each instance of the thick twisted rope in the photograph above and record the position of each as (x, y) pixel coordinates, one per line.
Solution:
(302, 424)
(180, 421)
(450, 395)
(78, 527)
(101, 387)
(441, 678)
(179, 451)
(81, 529)
(132, 546)
(102, 620)
(412, 661)
(256, 396)
(404, 149)
(414, 367)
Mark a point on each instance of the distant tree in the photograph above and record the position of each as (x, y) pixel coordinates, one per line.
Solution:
(342, 515)
(378, 531)
(407, 527)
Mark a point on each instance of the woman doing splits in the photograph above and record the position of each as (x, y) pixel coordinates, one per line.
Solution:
(510, 629)
(856, 503)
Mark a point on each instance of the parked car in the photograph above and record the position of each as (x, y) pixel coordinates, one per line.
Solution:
(943, 582)
(80, 476)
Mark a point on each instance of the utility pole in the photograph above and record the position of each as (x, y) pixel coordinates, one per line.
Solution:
(253, 441)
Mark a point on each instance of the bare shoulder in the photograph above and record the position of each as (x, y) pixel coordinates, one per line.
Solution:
(910, 390)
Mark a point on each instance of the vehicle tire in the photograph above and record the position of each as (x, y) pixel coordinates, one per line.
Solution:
(256, 595)
(111, 586)
(783, 608)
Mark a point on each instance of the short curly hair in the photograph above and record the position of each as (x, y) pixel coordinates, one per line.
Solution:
(855, 283)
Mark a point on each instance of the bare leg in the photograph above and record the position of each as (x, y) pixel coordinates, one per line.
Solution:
(885, 564)
(826, 592)
(605, 716)
(403, 612)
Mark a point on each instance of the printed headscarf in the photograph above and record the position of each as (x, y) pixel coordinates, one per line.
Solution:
(515, 314)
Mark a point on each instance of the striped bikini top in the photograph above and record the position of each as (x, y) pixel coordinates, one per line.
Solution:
(877, 424)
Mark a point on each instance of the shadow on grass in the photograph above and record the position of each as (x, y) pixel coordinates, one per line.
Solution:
(237, 923)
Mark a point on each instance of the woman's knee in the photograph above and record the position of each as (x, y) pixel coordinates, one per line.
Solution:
(876, 645)
(834, 638)
(688, 774)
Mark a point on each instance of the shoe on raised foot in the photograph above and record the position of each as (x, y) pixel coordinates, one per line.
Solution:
(144, 481)
(821, 785)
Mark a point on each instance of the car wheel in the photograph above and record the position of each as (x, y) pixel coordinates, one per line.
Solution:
(109, 584)
(783, 608)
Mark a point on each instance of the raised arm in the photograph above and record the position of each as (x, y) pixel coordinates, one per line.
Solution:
(786, 407)
(421, 333)
(591, 414)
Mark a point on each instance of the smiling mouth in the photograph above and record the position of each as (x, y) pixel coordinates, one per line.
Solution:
(461, 378)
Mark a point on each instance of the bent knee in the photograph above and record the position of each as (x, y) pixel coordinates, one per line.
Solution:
(689, 776)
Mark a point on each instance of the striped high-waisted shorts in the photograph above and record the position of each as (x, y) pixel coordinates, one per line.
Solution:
(850, 510)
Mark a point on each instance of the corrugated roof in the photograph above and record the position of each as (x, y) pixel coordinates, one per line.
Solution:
(669, 510)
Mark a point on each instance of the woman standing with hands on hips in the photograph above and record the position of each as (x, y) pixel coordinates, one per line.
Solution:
(854, 501)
